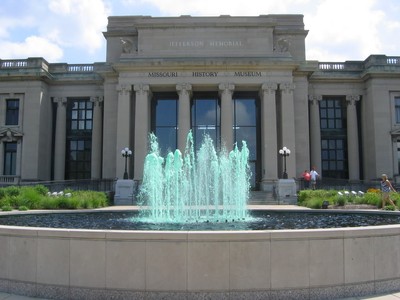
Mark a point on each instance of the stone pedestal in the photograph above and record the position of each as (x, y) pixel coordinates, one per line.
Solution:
(124, 192)
(286, 191)
(268, 185)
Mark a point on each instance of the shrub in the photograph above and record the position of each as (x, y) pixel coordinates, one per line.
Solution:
(373, 190)
(48, 203)
(372, 198)
(36, 197)
(12, 191)
(23, 208)
(315, 198)
(2, 193)
(41, 189)
(6, 208)
(30, 197)
(315, 203)
(340, 200)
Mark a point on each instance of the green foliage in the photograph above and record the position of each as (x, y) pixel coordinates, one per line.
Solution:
(41, 189)
(49, 203)
(30, 197)
(36, 197)
(6, 208)
(315, 203)
(12, 191)
(340, 200)
(23, 208)
(314, 198)
(2, 194)
(373, 198)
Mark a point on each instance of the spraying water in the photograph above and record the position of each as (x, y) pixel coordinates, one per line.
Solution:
(206, 186)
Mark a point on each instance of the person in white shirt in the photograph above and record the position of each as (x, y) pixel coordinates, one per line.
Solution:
(314, 176)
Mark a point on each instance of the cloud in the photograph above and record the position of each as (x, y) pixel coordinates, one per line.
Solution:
(33, 46)
(77, 23)
(221, 7)
(56, 26)
(338, 29)
(344, 30)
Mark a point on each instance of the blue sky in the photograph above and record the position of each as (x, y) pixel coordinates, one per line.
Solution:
(71, 31)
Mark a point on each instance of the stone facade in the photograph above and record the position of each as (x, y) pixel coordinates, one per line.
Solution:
(146, 56)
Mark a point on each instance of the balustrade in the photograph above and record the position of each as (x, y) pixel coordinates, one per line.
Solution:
(80, 68)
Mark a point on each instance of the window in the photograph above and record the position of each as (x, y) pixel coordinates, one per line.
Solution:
(397, 109)
(398, 155)
(81, 113)
(333, 114)
(78, 162)
(334, 137)
(246, 128)
(79, 139)
(206, 118)
(12, 111)
(165, 121)
(334, 157)
(10, 158)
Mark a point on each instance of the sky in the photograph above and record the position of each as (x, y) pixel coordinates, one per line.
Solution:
(71, 31)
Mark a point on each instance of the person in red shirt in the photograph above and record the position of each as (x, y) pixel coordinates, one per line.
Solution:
(306, 178)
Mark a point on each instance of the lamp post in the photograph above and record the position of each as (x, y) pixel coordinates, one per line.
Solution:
(284, 152)
(126, 153)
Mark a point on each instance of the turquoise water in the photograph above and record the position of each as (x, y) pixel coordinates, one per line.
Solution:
(207, 185)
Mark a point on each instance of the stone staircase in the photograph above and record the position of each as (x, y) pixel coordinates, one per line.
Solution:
(268, 198)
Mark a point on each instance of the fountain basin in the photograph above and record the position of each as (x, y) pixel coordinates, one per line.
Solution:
(268, 264)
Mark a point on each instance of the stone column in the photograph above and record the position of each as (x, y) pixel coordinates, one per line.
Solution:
(142, 127)
(315, 132)
(184, 91)
(269, 150)
(123, 126)
(60, 139)
(288, 126)
(97, 132)
(352, 137)
(226, 91)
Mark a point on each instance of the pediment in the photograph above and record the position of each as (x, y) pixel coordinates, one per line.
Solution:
(10, 134)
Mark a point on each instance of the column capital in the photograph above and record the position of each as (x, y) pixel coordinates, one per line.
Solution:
(287, 87)
(269, 87)
(141, 88)
(226, 87)
(183, 88)
(124, 88)
(314, 99)
(97, 100)
(60, 100)
(351, 99)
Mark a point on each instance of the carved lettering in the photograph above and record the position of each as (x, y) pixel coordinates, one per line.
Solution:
(202, 44)
(163, 74)
(186, 44)
(225, 43)
(205, 74)
(248, 74)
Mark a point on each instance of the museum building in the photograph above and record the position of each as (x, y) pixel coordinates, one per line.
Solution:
(233, 78)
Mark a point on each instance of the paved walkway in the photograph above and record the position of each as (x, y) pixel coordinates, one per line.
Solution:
(396, 296)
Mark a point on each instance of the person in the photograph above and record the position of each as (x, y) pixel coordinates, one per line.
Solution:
(386, 188)
(306, 178)
(314, 176)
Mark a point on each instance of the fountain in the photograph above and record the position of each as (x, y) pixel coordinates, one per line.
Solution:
(208, 186)
(74, 263)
